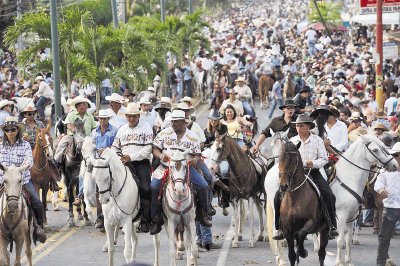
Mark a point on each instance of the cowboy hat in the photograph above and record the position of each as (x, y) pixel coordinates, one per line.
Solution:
(184, 106)
(12, 121)
(355, 116)
(395, 148)
(104, 114)
(305, 89)
(215, 115)
(325, 109)
(304, 119)
(4, 103)
(132, 109)
(178, 115)
(186, 99)
(380, 126)
(26, 92)
(380, 115)
(166, 100)
(162, 105)
(38, 78)
(80, 99)
(355, 134)
(115, 97)
(28, 108)
(343, 89)
(144, 100)
(288, 103)
(240, 79)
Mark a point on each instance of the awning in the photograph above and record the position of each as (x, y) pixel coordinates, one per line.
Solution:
(370, 19)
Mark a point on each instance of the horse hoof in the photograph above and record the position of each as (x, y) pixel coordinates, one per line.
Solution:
(303, 253)
(104, 249)
(356, 242)
(71, 224)
(181, 247)
(179, 256)
(284, 243)
(115, 242)
(88, 223)
(260, 238)
(225, 212)
(240, 238)
(251, 244)
(235, 244)
(56, 208)
(80, 217)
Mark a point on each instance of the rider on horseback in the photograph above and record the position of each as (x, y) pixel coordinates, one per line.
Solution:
(245, 95)
(177, 137)
(314, 157)
(16, 151)
(43, 94)
(134, 141)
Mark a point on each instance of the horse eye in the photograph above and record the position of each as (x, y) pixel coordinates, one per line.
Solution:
(375, 150)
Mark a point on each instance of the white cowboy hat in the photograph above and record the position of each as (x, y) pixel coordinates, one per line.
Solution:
(28, 108)
(132, 109)
(4, 103)
(115, 97)
(157, 78)
(343, 89)
(13, 121)
(178, 115)
(186, 99)
(144, 100)
(151, 89)
(38, 78)
(104, 114)
(80, 99)
(395, 148)
(240, 79)
(166, 100)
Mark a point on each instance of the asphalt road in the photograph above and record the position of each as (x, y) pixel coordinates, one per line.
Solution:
(82, 245)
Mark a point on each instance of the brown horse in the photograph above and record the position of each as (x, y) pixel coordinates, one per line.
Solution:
(301, 212)
(246, 182)
(289, 87)
(219, 97)
(42, 170)
(265, 84)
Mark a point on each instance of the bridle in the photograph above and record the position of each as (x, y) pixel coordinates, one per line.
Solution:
(42, 148)
(291, 175)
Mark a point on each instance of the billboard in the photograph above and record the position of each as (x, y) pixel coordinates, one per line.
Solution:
(388, 6)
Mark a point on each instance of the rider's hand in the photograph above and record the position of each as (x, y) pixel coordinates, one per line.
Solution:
(309, 164)
(125, 158)
(254, 150)
(100, 151)
(327, 143)
(192, 161)
(165, 158)
(383, 193)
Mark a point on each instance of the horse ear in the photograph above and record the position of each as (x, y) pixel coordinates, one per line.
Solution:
(298, 145)
(3, 167)
(271, 132)
(287, 132)
(23, 167)
(223, 136)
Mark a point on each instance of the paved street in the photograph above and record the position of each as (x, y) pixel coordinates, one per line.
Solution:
(82, 245)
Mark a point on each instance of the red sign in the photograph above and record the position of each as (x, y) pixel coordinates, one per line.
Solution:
(388, 6)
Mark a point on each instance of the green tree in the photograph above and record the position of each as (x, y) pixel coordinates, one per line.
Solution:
(330, 12)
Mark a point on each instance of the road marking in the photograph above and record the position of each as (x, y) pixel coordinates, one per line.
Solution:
(56, 244)
(227, 245)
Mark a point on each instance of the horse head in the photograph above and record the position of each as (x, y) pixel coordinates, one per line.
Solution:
(376, 153)
(13, 185)
(79, 135)
(178, 173)
(218, 152)
(289, 164)
(44, 140)
(277, 141)
(102, 173)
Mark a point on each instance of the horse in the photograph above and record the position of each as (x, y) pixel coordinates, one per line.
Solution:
(22, 102)
(271, 186)
(119, 196)
(245, 183)
(289, 87)
(72, 159)
(16, 221)
(301, 209)
(355, 163)
(42, 170)
(218, 98)
(178, 207)
(265, 84)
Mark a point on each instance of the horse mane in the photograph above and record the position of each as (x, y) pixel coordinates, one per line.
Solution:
(320, 120)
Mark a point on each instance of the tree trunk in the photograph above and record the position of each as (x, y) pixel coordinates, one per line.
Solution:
(98, 97)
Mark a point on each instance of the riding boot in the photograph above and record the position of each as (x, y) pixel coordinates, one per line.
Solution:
(38, 232)
(53, 185)
(145, 215)
(222, 185)
(156, 217)
(278, 234)
(202, 208)
(330, 205)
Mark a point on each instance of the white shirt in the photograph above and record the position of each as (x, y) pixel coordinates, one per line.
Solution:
(199, 132)
(313, 149)
(45, 90)
(310, 34)
(338, 135)
(243, 92)
(390, 181)
(149, 117)
(135, 142)
(118, 120)
(389, 105)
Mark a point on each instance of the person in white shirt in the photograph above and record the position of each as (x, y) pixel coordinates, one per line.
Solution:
(311, 39)
(163, 109)
(391, 103)
(388, 187)
(117, 110)
(147, 115)
(43, 94)
(245, 95)
(314, 156)
(134, 140)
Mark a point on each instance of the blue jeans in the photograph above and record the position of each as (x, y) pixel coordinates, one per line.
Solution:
(80, 192)
(105, 91)
(275, 102)
(208, 176)
(36, 204)
(179, 91)
(40, 105)
(311, 48)
(188, 87)
(247, 108)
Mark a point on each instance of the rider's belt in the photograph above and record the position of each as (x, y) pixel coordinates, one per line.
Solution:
(136, 144)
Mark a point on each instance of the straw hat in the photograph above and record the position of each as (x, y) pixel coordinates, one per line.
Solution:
(355, 116)
(28, 108)
(178, 115)
(304, 119)
(166, 100)
(38, 78)
(144, 100)
(104, 114)
(5, 102)
(355, 134)
(132, 109)
(380, 126)
(115, 97)
(240, 79)
(380, 115)
(186, 99)
(12, 121)
(162, 105)
(26, 92)
(80, 99)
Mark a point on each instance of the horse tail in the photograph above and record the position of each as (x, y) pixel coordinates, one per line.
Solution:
(270, 225)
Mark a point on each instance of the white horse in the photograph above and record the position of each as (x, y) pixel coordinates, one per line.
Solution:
(352, 170)
(271, 185)
(178, 207)
(22, 102)
(14, 223)
(119, 196)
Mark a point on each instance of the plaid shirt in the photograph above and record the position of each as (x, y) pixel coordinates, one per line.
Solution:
(313, 149)
(18, 154)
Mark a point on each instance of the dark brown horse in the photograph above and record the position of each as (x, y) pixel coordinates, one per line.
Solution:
(42, 170)
(219, 97)
(245, 182)
(300, 208)
(265, 84)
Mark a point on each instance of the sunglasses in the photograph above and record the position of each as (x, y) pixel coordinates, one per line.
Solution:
(29, 114)
(12, 129)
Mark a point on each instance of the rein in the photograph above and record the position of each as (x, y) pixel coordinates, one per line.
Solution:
(42, 149)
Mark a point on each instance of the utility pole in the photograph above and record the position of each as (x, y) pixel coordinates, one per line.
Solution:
(114, 13)
(322, 18)
(190, 7)
(379, 57)
(162, 7)
(56, 57)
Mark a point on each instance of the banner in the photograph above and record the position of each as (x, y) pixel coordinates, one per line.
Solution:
(388, 6)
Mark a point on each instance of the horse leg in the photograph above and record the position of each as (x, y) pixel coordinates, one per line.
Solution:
(356, 235)
(236, 213)
(172, 244)
(301, 251)
(260, 236)
(44, 202)
(79, 208)
(128, 239)
(110, 242)
(348, 240)
(18, 250)
(340, 243)
(70, 206)
(156, 245)
(28, 249)
(54, 201)
(291, 252)
(316, 241)
(191, 246)
(242, 218)
(322, 249)
(251, 215)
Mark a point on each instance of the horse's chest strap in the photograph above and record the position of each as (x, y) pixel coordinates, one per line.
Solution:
(352, 192)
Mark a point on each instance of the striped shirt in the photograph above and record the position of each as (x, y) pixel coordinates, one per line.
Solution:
(18, 154)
